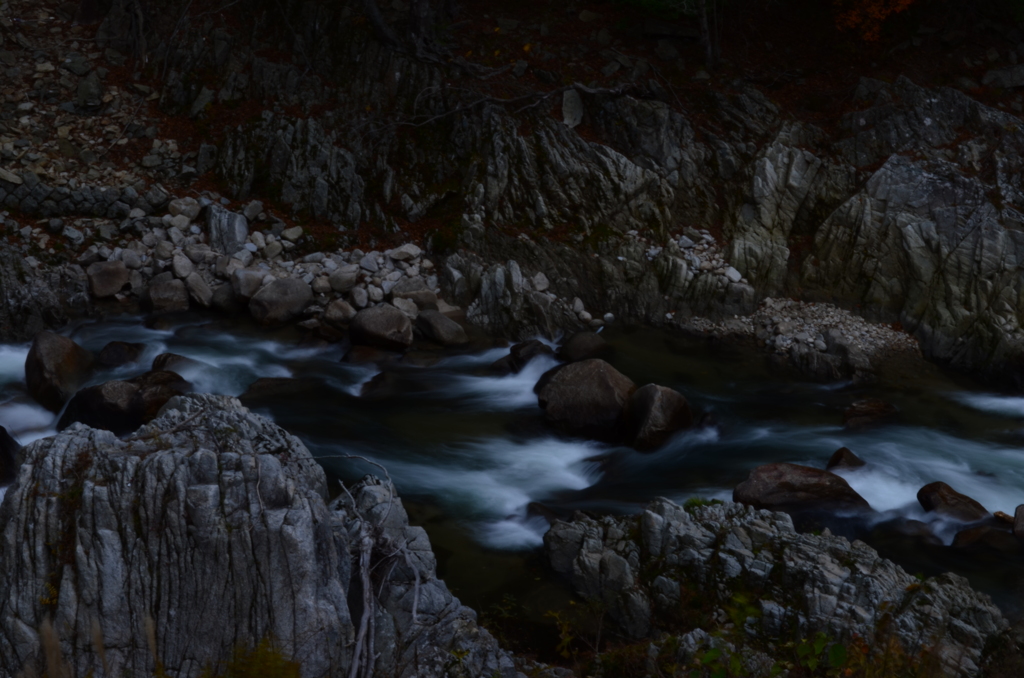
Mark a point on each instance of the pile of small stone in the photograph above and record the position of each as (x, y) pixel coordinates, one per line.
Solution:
(779, 324)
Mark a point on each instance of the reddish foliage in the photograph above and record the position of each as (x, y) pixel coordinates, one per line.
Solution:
(867, 16)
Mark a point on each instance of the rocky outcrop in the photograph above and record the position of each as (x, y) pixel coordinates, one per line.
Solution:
(34, 298)
(211, 526)
(644, 569)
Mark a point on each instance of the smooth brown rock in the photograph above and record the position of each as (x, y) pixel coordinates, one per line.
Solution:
(54, 369)
(844, 458)
(943, 499)
(793, 488)
(123, 406)
(655, 413)
(172, 362)
(382, 326)
(987, 537)
(588, 399)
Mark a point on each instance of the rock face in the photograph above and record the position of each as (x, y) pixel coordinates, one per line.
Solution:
(790, 487)
(9, 448)
(212, 522)
(228, 230)
(655, 413)
(32, 301)
(588, 399)
(942, 498)
(280, 301)
(643, 568)
(382, 326)
(54, 369)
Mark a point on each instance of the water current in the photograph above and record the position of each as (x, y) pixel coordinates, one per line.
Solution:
(470, 454)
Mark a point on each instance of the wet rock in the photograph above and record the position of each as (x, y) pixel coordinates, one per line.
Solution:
(655, 413)
(107, 278)
(587, 398)
(54, 369)
(519, 356)
(166, 296)
(382, 326)
(280, 301)
(117, 353)
(9, 449)
(584, 346)
(868, 413)
(440, 328)
(370, 355)
(172, 362)
(793, 488)
(844, 458)
(123, 406)
(228, 231)
(943, 499)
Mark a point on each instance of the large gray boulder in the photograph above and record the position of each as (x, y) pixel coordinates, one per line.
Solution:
(790, 487)
(280, 301)
(644, 569)
(211, 525)
(382, 326)
(227, 230)
(440, 328)
(107, 278)
(54, 369)
(588, 398)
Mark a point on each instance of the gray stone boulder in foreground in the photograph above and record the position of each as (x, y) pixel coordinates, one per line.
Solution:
(211, 525)
(643, 567)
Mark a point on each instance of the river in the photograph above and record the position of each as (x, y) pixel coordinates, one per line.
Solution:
(476, 466)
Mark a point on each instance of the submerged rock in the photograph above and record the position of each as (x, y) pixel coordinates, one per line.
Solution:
(54, 369)
(519, 356)
(844, 458)
(868, 413)
(790, 487)
(212, 524)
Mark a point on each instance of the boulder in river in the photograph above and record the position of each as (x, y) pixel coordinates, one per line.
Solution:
(117, 353)
(213, 524)
(123, 406)
(587, 399)
(790, 487)
(280, 301)
(166, 296)
(519, 356)
(943, 499)
(868, 413)
(988, 538)
(440, 328)
(382, 326)
(844, 458)
(584, 346)
(172, 362)
(54, 369)
(655, 413)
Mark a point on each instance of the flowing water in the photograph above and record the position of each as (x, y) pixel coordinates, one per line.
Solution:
(476, 466)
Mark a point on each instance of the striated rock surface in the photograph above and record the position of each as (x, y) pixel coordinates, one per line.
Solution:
(213, 523)
(643, 568)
